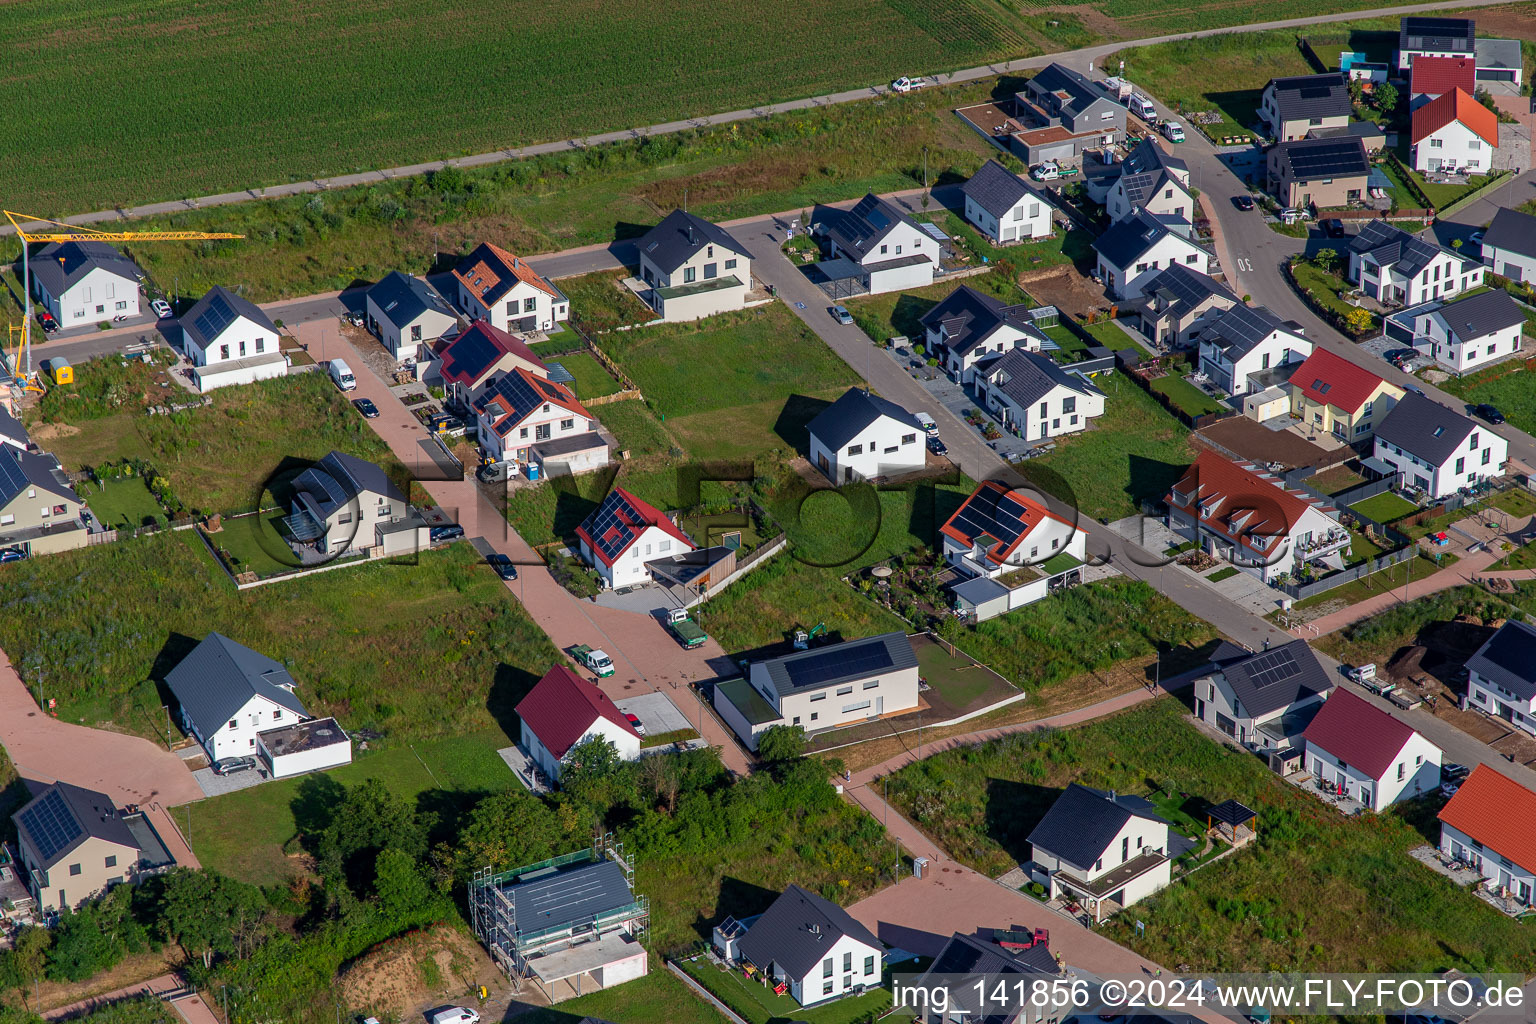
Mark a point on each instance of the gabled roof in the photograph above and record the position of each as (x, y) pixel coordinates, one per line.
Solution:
(1390, 246)
(1358, 733)
(827, 666)
(1498, 812)
(1456, 105)
(561, 707)
(519, 395)
(1083, 822)
(1076, 90)
(619, 521)
(339, 479)
(58, 265)
(997, 517)
(1508, 658)
(1423, 427)
(1027, 377)
(63, 816)
(969, 318)
(211, 315)
(1241, 329)
(680, 234)
(1129, 237)
(1443, 35)
(996, 189)
(21, 471)
(401, 298)
(1331, 379)
(1480, 315)
(1241, 502)
(798, 930)
(1325, 157)
(1180, 289)
(12, 431)
(489, 272)
(220, 676)
(1277, 678)
(1309, 96)
(475, 351)
(852, 414)
(860, 229)
(1432, 75)
(1512, 231)
(1148, 170)
(970, 954)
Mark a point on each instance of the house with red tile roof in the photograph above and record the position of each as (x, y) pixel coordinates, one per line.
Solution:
(625, 534)
(502, 289)
(563, 711)
(522, 410)
(1454, 132)
(1014, 549)
(1334, 396)
(468, 362)
(1239, 512)
(1433, 77)
(1360, 751)
(1491, 824)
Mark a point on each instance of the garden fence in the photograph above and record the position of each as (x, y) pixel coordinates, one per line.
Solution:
(602, 357)
(1301, 591)
(1468, 198)
(1192, 422)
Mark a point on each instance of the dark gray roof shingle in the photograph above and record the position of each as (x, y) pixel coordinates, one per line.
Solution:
(853, 413)
(969, 318)
(1393, 247)
(1131, 236)
(821, 667)
(21, 470)
(1080, 90)
(221, 676)
(1509, 659)
(1423, 427)
(1180, 289)
(58, 265)
(402, 298)
(680, 234)
(1270, 680)
(858, 231)
(64, 815)
(1027, 377)
(1513, 231)
(1479, 315)
(570, 896)
(1239, 330)
(976, 957)
(211, 315)
(996, 189)
(339, 478)
(1309, 96)
(1083, 822)
(798, 930)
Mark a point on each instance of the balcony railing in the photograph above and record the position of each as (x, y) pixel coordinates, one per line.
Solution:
(1331, 541)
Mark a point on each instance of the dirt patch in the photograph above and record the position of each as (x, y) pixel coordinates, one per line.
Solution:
(1066, 289)
(48, 431)
(397, 977)
(1253, 441)
(1512, 22)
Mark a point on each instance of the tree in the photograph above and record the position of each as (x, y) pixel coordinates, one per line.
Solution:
(591, 760)
(781, 743)
(80, 947)
(369, 819)
(206, 913)
(24, 962)
(401, 889)
(1385, 97)
(1358, 320)
(508, 830)
(1326, 259)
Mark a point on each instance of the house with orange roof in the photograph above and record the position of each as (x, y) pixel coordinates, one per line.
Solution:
(1332, 395)
(1014, 549)
(1491, 824)
(625, 534)
(466, 363)
(526, 419)
(1454, 132)
(1432, 77)
(502, 289)
(1239, 512)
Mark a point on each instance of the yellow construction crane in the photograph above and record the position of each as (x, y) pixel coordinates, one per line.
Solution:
(75, 233)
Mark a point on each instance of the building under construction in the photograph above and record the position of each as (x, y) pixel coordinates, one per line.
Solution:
(571, 924)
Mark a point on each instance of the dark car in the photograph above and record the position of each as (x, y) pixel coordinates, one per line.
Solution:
(232, 765)
(502, 564)
(11, 555)
(47, 321)
(1333, 227)
(1244, 203)
(1450, 771)
(444, 534)
(366, 407)
(1397, 355)
(937, 447)
(1489, 413)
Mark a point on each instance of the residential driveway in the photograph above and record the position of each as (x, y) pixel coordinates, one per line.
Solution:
(651, 599)
(656, 712)
(218, 785)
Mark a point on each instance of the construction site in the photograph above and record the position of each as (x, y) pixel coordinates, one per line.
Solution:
(570, 925)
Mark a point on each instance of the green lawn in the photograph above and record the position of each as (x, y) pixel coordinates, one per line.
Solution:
(1385, 507)
(1326, 289)
(1222, 574)
(899, 313)
(123, 504)
(657, 998)
(1135, 451)
(254, 543)
(592, 379)
(601, 302)
(758, 1004)
(1377, 583)
(1318, 892)
(1507, 386)
(1060, 248)
(1190, 399)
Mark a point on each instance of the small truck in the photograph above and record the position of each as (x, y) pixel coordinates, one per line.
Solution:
(685, 629)
(908, 84)
(593, 659)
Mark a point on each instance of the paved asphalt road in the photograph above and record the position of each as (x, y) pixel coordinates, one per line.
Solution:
(1080, 57)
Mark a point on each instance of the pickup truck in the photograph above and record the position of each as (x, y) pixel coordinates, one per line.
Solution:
(593, 659)
(907, 84)
(685, 629)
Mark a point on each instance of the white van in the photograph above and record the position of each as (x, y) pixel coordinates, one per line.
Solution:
(1048, 171)
(1141, 107)
(455, 1015)
(341, 375)
(929, 426)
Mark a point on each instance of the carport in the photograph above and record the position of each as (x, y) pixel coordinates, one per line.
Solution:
(841, 278)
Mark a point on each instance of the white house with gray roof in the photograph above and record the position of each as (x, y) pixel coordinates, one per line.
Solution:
(229, 340)
(1004, 207)
(1509, 246)
(811, 945)
(1151, 180)
(1397, 268)
(84, 282)
(407, 315)
(1438, 450)
(1239, 345)
(1030, 391)
(39, 510)
(862, 436)
(1467, 333)
(1139, 245)
(1263, 700)
(347, 505)
(968, 326)
(694, 268)
(885, 247)
(1103, 849)
(1501, 676)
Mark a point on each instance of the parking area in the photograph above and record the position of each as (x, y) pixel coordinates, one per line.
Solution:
(218, 785)
(656, 712)
(955, 398)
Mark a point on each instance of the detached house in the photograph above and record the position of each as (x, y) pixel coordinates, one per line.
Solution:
(84, 282)
(1030, 391)
(1004, 207)
(1468, 333)
(971, 956)
(13, 433)
(39, 510)
(229, 340)
(407, 315)
(1509, 246)
(1454, 133)
(75, 844)
(1397, 268)
(1014, 549)
(1134, 249)
(1263, 700)
(1434, 37)
(1067, 115)
(1437, 450)
(624, 534)
(837, 684)
(522, 410)
(813, 947)
(862, 436)
(886, 246)
(1105, 850)
(500, 288)
(1177, 303)
(1501, 676)
(477, 357)
(1433, 77)
(1368, 755)
(1291, 107)
(1151, 180)
(1488, 824)
(1334, 396)
(967, 327)
(694, 268)
(346, 504)
(1238, 512)
(563, 711)
(1239, 346)
(1320, 172)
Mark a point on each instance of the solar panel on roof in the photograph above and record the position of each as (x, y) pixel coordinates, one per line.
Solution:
(214, 320)
(1268, 669)
(611, 531)
(12, 478)
(835, 662)
(51, 824)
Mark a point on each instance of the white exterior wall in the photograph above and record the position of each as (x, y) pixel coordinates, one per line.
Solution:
(899, 279)
(242, 339)
(354, 526)
(1444, 277)
(402, 341)
(1498, 869)
(887, 447)
(546, 308)
(814, 988)
(1048, 538)
(221, 375)
(708, 263)
(99, 295)
(626, 743)
(1455, 145)
(1027, 219)
(1005, 338)
(1214, 696)
(1139, 835)
(1126, 282)
(258, 715)
(308, 760)
(732, 716)
(826, 708)
(1488, 696)
(1279, 349)
(629, 567)
(1508, 263)
(1055, 420)
(1461, 355)
(526, 433)
(696, 307)
(1482, 455)
(1415, 770)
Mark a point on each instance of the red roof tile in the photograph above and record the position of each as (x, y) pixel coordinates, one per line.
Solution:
(469, 355)
(627, 518)
(1005, 515)
(1247, 503)
(1498, 812)
(1358, 733)
(483, 276)
(520, 394)
(1333, 380)
(562, 706)
(1456, 105)
(1435, 76)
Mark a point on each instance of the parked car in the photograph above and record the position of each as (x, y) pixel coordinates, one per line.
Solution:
(234, 765)
(937, 447)
(366, 407)
(46, 320)
(1244, 203)
(11, 555)
(1397, 355)
(1489, 413)
(1450, 771)
(447, 423)
(454, 1015)
(502, 564)
(444, 534)
(634, 723)
(354, 317)
(841, 315)
(162, 308)
(1333, 227)
(1476, 238)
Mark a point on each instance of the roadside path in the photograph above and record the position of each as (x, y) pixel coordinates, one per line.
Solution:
(1086, 54)
(191, 1008)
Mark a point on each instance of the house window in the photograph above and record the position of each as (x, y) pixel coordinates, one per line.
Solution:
(689, 273)
(122, 304)
(242, 349)
(711, 271)
(1487, 455)
(1069, 405)
(730, 264)
(261, 345)
(567, 424)
(512, 308)
(1401, 769)
(1474, 144)
(869, 965)
(664, 546)
(344, 518)
(898, 250)
(847, 962)
(522, 432)
(826, 986)
(233, 725)
(415, 333)
(112, 861)
(1043, 412)
(1192, 258)
(884, 249)
(223, 351)
(277, 715)
(74, 869)
(797, 720)
(530, 305)
(843, 691)
(1140, 267)
(79, 313)
(818, 696)
(826, 968)
(1461, 465)
(855, 449)
(908, 438)
(871, 684)
(815, 715)
(101, 309)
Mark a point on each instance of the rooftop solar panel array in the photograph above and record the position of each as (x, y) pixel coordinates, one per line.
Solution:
(51, 825)
(989, 513)
(473, 352)
(216, 318)
(1345, 156)
(1272, 667)
(612, 526)
(837, 662)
